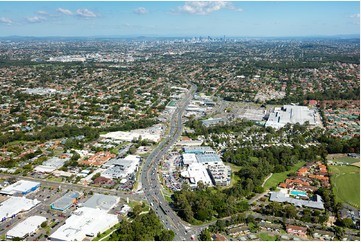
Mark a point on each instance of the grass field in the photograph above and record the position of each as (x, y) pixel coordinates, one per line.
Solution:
(346, 159)
(346, 184)
(267, 237)
(55, 179)
(276, 178)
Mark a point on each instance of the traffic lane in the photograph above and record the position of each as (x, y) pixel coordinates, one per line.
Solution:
(154, 160)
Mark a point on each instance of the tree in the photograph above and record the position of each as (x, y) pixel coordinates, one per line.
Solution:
(205, 235)
(43, 224)
(136, 210)
(291, 211)
(95, 176)
(339, 232)
(200, 185)
(347, 222)
(166, 235)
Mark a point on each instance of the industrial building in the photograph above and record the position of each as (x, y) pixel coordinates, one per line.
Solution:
(202, 159)
(84, 222)
(198, 150)
(208, 159)
(195, 108)
(189, 159)
(26, 227)
(153, 134)
(65, 201)
(189, 143)
(21, 187)
(213, 121)
(102, 202)
(121, 168)
(14, 205)
(220, 174)
(197, 172)
(51, 165)
(291, 114)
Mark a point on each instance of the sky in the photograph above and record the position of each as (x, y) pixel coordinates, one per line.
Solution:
(179, 18)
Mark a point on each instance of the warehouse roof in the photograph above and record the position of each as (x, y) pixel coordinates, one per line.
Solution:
(26, 227)
(103, 202)
(213, 121)
(189, 159)
(208, 158)
(51, 164)
(65, 201)
(291, 114)
(197, 172)
(84, 221)
(15, 205)
(316, 202)
(120, 168)
(199, 149)
(20, 187)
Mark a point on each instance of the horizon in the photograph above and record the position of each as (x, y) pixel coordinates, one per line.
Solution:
(339, 36)
(179, 19)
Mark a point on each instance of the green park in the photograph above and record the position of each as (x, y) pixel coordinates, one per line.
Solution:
(279, 177)
(346, 184)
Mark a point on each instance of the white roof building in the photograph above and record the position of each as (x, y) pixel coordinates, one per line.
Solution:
(291, 114)
(101, 201)
(15, 205)
(84, 222)
(153, 133)
(197, 172)
(20, 187)
(26, 227)
(120, 168)
(51, 165)
(189, 159)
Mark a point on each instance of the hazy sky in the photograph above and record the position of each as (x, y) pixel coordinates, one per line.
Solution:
(216, 18)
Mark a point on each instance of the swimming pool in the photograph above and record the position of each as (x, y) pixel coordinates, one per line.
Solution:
(298, 193)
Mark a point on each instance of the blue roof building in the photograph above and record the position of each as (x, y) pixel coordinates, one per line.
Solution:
(65, 201)
(198, 150)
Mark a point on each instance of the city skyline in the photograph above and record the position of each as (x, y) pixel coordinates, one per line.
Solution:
(177, 19)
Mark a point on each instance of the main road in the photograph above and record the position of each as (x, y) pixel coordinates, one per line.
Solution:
(150, 180)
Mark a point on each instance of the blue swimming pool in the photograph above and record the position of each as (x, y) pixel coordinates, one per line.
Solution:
(298, 193)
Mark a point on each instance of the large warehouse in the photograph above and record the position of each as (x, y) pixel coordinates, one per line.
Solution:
(15, 205)
(65, 201)
(198, 150)
(103, 202)
(121, 168)
(84, 222)
(197, 172)
(25, 228)
(209, 159)
(189, 159)
(51, 165)
(291, 114)
(20, 187)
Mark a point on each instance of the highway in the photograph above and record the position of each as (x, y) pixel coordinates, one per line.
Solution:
(150, 181)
